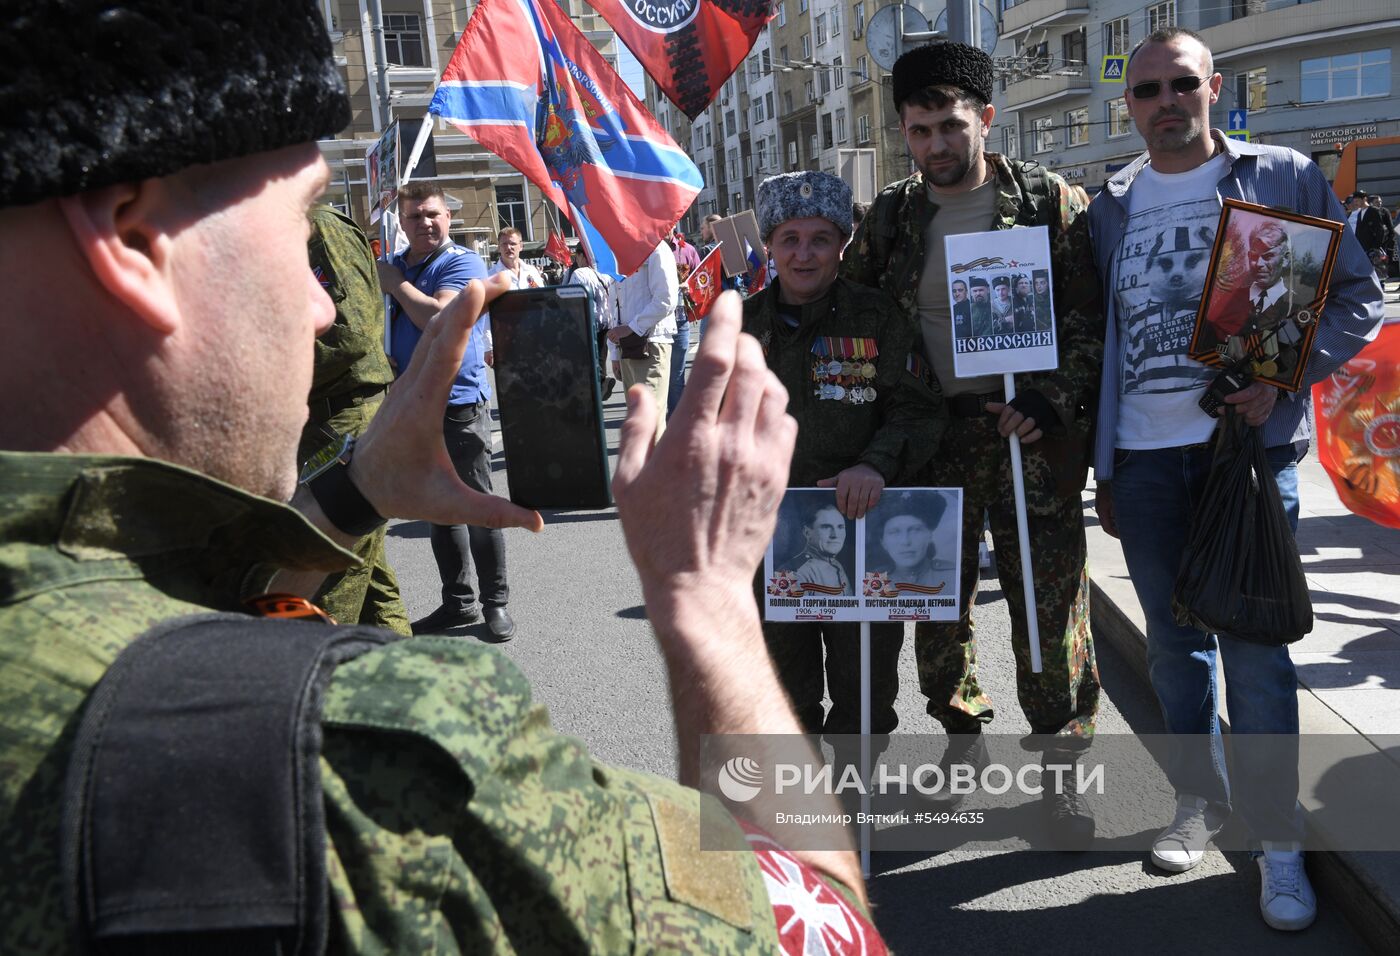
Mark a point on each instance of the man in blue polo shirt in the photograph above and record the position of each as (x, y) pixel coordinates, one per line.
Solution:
(423, 280)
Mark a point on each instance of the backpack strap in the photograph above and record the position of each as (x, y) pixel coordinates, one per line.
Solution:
(192, 816)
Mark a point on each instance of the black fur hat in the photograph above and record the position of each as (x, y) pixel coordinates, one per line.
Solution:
(943, 63)
(97, 92)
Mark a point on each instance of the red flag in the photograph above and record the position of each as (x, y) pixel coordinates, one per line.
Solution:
(703, 286)
(1358, 429)
(527, 85)
(557, 249)
(689, 47)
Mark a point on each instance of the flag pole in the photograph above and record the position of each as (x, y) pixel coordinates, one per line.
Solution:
(1018, 482)
(865, 748)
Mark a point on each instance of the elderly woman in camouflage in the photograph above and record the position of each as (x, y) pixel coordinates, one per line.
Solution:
(868, 413)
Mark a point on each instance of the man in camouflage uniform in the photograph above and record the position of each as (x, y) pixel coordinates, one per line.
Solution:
(865, 420)
(168, 269)
(352, 373)
(943, 91)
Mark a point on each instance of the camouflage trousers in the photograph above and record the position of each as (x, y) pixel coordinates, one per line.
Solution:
(369, 592)
(1064, 696)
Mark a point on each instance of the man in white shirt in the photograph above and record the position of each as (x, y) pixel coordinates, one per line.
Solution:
(646, 324)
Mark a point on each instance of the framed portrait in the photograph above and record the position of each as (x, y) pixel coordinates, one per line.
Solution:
(1003, 304)
(911, 547)
(1264, 291)
(809, 571)
(735, 234)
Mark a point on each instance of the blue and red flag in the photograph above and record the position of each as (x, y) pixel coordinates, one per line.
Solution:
(758, 269)
(527, 85)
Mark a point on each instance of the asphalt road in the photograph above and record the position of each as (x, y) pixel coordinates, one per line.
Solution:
(585, 644)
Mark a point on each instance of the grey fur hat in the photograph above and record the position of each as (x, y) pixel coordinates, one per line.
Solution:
(97, 92)
(803, 195)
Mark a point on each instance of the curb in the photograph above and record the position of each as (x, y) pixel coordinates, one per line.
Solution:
(1351, 881)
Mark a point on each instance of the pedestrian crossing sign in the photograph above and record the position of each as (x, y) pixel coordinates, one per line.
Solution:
(1239, 134)
(1115, 68)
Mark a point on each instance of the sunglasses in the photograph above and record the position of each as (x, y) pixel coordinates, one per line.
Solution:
(1182, 84)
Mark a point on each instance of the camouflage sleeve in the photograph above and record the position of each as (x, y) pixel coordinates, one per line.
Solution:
(459, 821)
(1079, 314)
(857, 263)
(914, 414)
(344, 266)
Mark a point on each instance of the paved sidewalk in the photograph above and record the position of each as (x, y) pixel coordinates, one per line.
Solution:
(1349, 668)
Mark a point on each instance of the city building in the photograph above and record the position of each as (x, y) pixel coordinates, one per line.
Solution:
(1311, 75)
(419, 36)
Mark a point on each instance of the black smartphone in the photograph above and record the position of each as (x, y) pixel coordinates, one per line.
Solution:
(551, 402)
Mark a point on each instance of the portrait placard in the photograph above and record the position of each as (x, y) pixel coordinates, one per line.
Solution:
(809, 571)
(732, 234)
(910, 543)
(1001, 289)
(1265, 290)
(898, 563)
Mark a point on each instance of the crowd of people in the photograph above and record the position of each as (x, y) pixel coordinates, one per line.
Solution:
(152, 497)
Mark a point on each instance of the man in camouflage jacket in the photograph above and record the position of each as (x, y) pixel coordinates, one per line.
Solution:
(943, 91)
(351, 375)
(166, 272)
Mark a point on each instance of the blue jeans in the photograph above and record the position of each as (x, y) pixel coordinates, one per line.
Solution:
(1155, 493)
(679, 346)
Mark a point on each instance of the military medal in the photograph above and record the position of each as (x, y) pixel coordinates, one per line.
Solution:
(869, 393)
(834, 369)
(867, 370)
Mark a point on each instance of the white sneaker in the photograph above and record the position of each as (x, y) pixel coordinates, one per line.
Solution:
(1183, 844)
(1286, 897)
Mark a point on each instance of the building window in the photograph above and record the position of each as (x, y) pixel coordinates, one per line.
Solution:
(801, 6)
(806, 46)
(510, 208)
(824, 82)
(792, 152)
(821, 28)
(403, 39)
(839, 71)
(768, 100)
(810, 91)
(812, 147)
(729, 127)
(766, 57)
(1252, 89)
(1346, 76)
(758, 111)
(863, 128)
(1239, 9)
(1116, 37)
(753, 67)
(1077, 127)
(1161, 15)
(836, 21)
(782, 18)
(1072, 47)
(862, 68)
(787, 101)
(840, 126)
(828, 136)
(783, 55)
(1044, 134)
(1118, 122)
(1008, 142)
(733, 165)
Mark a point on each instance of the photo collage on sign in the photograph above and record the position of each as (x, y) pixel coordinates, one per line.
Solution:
(898, 563)
(1002, 294)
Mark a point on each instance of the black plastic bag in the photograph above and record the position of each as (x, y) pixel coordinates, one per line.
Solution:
(1241, 574)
